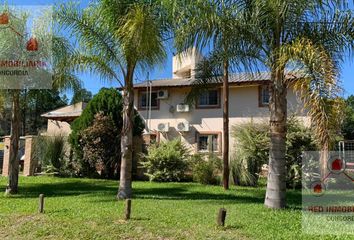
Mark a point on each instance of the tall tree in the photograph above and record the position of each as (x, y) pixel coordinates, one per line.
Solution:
(117, 37)
(311, 38)
(2, 106)
(14, 160)
(209, 23)
(12, 51)
(11, 38)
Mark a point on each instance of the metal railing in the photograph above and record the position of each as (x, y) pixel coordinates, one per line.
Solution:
(346, 150)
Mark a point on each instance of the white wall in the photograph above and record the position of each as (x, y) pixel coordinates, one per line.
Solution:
(244, 107)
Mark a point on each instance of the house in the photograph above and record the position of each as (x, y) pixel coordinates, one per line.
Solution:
(200, 125)
(59, 120)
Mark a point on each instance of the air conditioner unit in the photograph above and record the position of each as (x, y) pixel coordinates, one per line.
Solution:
(163, 127)
(182, 108)
(183, 126)
(162, 94)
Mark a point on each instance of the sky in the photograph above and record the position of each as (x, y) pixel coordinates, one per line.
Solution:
(93, 83)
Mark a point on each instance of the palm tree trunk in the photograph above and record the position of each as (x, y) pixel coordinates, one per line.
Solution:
(276, 184)
(12, 187)
(125, 183)
(226, 171)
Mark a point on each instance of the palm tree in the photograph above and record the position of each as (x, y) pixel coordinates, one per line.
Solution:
(312, 37)
(210, 23)
(117, 38)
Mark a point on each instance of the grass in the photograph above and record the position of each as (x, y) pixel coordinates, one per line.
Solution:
(87, 209)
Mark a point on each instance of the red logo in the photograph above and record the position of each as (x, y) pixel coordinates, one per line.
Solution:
(4, 19)
(337, 165)
(317, 188)
(32, 45)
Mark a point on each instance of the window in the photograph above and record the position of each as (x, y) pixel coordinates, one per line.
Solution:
(210, 98)
(144, 100)
(208, 142)
(263, 96)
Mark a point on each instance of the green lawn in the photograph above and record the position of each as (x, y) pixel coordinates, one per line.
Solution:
(87, 209)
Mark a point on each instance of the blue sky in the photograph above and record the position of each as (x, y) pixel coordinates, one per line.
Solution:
(93, 83)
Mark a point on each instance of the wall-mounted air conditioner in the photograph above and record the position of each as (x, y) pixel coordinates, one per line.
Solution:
(182, 108)
(183, 126)
(163, 127)
(162, 94)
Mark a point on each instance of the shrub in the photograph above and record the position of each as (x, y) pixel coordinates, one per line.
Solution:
(205, 169)
(252, 151)
(50, 153)
(166, 162)
(100, 145)
(298, 140)
(55, 151)
(108, 102)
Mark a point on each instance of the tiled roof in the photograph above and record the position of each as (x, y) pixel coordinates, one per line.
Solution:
(62, 114)
(239, 78)
(67, 113)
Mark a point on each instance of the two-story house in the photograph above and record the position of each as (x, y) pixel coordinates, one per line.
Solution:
(200, 125)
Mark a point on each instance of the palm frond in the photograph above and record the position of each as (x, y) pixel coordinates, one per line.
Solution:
(94, 64)
(318, 88)
(64, 77)
(208, 75)
(335, 32)
(91, 32)
(66, 80)
(140, 36)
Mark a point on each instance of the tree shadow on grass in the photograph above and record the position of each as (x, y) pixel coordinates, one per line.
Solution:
(184, 193)
(294, 200)
(177, 192)
(61, 189)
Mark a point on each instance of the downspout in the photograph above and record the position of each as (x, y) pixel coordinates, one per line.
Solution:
(150, 95)
(147, 109)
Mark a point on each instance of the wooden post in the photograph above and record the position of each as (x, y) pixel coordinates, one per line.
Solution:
(41, 203)
(128, 207)
(221, 217)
